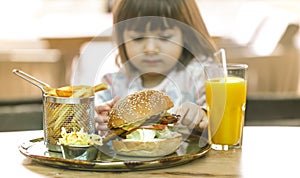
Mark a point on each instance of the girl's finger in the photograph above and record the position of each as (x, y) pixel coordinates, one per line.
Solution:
(113, 101)
(193, 119)
(203, 124)
(106, 106)
(185, 118)
(102, 108)
(102, 127)
(101, 119)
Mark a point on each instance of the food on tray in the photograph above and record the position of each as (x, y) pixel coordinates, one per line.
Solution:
(143, 125)
(79, 138)
(65, 113)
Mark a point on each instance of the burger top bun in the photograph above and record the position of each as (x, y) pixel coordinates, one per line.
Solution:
(138, 107)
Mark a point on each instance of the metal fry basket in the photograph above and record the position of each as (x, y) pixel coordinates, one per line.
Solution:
(70, 113)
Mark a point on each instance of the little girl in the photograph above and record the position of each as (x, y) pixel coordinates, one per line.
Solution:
(162, 45)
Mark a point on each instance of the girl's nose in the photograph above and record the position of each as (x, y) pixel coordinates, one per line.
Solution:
(151, 46)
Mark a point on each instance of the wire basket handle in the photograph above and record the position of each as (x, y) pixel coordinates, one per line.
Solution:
(42, 85)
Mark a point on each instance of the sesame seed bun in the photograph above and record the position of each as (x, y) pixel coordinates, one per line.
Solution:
(138, 107)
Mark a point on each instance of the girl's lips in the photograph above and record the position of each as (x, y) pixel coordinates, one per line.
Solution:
(151, 62)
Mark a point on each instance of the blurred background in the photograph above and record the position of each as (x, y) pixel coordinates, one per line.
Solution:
(46, 39)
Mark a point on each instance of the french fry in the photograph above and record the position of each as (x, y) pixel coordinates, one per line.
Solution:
(82, 91)
(79, 91)
(99, 87)
(52, 92)
(66, 91)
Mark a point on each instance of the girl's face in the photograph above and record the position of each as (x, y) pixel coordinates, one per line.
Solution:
(155, 51)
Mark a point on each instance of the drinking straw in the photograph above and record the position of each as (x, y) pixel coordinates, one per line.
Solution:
(223, 60)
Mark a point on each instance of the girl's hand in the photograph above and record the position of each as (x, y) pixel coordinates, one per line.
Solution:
(192, 116)
(102, 119)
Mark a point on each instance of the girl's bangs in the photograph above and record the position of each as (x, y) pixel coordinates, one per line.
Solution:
(150, 8)
(140, 24)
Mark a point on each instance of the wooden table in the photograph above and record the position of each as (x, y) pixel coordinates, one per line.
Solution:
(266, 152)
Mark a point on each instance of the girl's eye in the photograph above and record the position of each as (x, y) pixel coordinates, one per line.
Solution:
(160, 37)
(137, 38)
(165, 36)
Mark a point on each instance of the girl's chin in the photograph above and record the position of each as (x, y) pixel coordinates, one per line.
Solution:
(153, 71)
(154, 74)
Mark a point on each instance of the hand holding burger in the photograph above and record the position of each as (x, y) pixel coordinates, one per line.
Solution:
(193, 116)
(102, 119)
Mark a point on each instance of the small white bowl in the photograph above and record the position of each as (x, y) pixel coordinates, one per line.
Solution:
(84, 152)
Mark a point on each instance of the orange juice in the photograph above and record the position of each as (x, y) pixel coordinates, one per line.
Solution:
(226, 107)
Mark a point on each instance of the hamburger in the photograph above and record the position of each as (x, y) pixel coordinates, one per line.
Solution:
(143, 125)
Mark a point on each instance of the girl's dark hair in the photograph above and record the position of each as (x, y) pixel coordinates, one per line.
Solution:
(182, 13)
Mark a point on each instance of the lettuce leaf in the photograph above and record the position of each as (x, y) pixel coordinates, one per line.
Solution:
(142, 135)
(150, 134)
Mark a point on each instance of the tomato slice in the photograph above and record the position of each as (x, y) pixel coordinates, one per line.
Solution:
(153, 127)
(159, 127)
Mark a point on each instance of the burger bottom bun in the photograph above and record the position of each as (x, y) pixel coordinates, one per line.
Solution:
(155, 148)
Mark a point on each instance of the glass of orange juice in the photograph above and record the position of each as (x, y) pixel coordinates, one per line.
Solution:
(226, 104)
